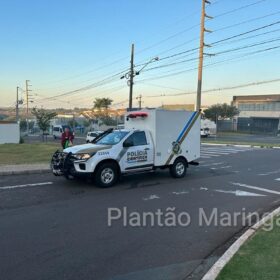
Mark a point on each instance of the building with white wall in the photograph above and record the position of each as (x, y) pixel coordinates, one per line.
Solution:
(9, 132)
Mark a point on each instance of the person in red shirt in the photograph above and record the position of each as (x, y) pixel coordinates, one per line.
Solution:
(67, 138)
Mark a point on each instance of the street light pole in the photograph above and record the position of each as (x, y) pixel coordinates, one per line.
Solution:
(131, 76)
(132, 73)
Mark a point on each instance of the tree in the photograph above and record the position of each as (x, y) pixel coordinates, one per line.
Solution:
(220, 111)
(107, 120)
(102, 103)
(23, 125)
(43, 118)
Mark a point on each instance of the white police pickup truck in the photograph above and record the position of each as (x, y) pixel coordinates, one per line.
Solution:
(151, 139)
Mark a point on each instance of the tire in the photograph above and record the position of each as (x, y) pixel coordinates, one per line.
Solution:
(54, 137)
(106, 175)
(179, 168)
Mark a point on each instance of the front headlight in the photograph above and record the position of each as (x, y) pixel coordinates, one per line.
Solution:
(82, 156)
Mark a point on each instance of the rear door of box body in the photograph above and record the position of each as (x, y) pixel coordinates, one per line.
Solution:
(171, 128)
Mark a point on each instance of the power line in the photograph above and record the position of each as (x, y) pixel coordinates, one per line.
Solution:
(247, 32)
(218, 42)
(159, 86)
(218, 53)
(219, 89)
(197, 25)
(111, 78)
(91, 86)
(208, 65)
(248, 46)
(239, 9)
(220, 29)
(249, 37)
(247, 21)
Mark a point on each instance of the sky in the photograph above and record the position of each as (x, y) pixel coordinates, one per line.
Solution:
(65, 46)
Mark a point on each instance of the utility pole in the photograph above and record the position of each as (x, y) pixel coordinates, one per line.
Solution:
(17, 106)
(132, 73)
(139, 98)
(201, 52)
(131, 76)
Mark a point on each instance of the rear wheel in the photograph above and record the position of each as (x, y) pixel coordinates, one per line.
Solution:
(106, 175)
(178, 168)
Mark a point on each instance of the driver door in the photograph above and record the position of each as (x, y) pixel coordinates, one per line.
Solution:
(138, 153)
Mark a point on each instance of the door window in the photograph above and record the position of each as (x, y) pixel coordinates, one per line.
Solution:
(138, 138)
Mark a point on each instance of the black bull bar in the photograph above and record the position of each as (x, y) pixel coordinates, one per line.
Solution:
(62, 164)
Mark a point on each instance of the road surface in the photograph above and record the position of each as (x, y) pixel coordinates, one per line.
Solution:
(246, 138)
(55, 229)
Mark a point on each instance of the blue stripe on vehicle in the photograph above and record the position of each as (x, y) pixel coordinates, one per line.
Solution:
(186, 126)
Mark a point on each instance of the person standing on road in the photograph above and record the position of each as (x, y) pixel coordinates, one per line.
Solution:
(67, 138)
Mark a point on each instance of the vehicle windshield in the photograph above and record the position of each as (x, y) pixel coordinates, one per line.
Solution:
(112, 138)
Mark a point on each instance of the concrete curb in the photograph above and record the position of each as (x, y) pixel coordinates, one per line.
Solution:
(215, 270)
(22, 172)
(237, 145)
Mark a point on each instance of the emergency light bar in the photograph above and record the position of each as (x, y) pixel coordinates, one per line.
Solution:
(137, 115)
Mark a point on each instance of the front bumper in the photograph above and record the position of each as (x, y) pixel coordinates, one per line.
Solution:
(62, 164)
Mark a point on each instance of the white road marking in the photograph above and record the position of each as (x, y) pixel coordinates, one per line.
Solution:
(216, 153)
(269, 173)
(226, 148)
(230, 150)
(240, 193)
(26, 185)
(209, 155)
(221, 167)
(208, 151)
(180, 193)
(277, 179)
(203, 189)
(220, 150)
(255, 188)
(151, 197)
(211, 164)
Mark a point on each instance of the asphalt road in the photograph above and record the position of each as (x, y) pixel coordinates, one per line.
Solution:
(246, 138)
(51, 228)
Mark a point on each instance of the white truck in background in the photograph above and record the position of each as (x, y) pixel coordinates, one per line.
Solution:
(151, 139)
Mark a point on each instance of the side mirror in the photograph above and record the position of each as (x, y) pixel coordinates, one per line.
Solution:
(127, 144)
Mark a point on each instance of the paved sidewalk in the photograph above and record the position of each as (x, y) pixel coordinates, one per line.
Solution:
(24, 169)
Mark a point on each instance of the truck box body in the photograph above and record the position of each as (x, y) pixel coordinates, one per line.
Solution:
(174, 133)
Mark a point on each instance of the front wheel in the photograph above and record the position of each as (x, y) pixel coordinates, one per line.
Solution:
(106, 175)
(179, 168)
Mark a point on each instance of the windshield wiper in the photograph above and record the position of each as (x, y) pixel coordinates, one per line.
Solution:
(102, 135)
